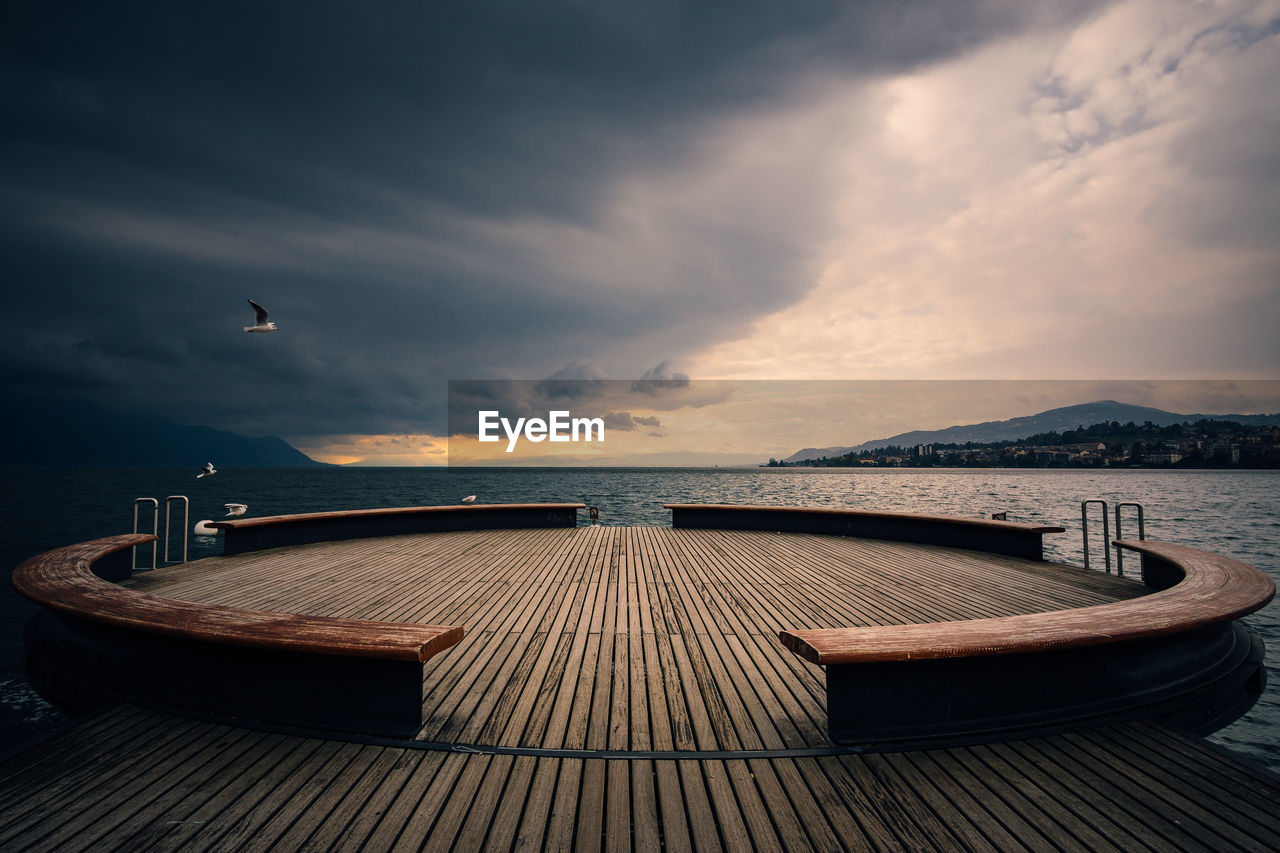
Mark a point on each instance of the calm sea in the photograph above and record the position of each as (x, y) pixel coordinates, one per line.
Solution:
(1230, 512)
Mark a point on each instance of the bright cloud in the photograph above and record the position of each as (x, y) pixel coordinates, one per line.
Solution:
(1035, 210)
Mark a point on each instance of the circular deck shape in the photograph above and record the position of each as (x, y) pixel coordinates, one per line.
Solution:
(631, 639)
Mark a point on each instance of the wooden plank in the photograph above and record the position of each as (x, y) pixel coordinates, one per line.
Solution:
(590, 828)
(561, 829)
(1075, 796)
(1233, 782)
(695, 794)
(616, 809)
(282, 789)
(403, 808)
(416, 823)
(168, 802)
(822, 806)
(798, 823)
(87, 809)
(901, 822)
(735, 823)
(1157, 827)
(980, 797)
(500, 830)
(537, 806)
(348, 828)
(1072, 816)
(42, 799)
(465, 815)
(751, 661)
(324, 783)
(646, 816)
(192, 815)
(1179, 792)
(443, 685)
(51, 757)
(563, 725)
(351, 782)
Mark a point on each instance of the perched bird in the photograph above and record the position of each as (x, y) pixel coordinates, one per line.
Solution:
(236, 510)
(469, 499)
(260, 322)
(208, 469)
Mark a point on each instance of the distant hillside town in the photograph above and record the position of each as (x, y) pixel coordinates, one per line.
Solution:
(1203, 444)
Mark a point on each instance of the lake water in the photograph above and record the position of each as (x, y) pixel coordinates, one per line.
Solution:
(1230, 512)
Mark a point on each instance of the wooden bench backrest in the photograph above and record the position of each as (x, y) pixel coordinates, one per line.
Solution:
(241, 535)
(64, 580)
(1196, 588)
(1012, 538)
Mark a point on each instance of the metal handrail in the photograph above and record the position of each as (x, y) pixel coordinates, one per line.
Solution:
(155, 529)
(1142, 533)
(1106, 531)
(186, 522)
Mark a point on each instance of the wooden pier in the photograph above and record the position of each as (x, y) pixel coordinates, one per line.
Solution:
(624, 688)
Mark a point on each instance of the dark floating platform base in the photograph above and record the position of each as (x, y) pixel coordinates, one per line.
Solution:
(83, 666)
(1198, 682)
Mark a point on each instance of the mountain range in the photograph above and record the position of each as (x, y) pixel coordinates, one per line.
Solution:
(1053, 420)
(97, 438)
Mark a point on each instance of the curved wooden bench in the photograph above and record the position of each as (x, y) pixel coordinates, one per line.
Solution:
(1012, 538)
(98, 638)
(1211, 589)
(1176, 653)
(255, 534)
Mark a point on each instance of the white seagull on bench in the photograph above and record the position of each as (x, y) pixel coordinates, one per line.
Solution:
(260, 322)
(469, 499)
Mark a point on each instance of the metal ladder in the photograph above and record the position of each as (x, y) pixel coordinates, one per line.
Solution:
(155, 527)
(1106, 531)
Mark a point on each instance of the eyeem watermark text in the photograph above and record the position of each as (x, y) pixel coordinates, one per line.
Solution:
(558, 426)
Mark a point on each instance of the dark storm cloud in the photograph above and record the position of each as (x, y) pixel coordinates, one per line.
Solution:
(627, 422)
(417, 192)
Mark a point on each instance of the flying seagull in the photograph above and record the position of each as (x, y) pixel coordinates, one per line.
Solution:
(236, 510)
(469, 499)
(208, 469)
(260, 322)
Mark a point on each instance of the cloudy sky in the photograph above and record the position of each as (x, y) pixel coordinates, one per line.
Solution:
(424, 192)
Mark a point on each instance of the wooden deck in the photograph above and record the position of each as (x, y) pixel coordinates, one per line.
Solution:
(624, 688)
(135, 780)
(631, 638)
